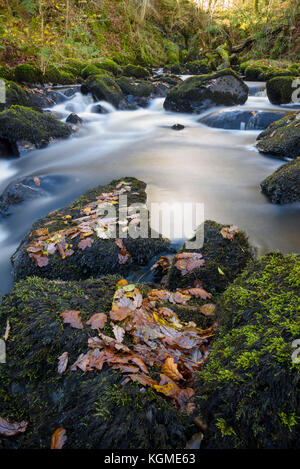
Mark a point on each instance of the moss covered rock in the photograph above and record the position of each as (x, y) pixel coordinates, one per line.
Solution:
(197, 94)
(104, 88)
(249, 388)
(223, 258)
(96, 410)
(259, 72)
(102, 256)
(280, 89)
(58, 76)
(135, 71)
(177, 69)
(110, 66)
(282, 138)
(137, 92)
(90, 69)
(20, 123)
(198, 67)
(283, 186)
(27, 73)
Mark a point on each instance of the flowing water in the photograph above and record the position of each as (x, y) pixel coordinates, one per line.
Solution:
(219, 168)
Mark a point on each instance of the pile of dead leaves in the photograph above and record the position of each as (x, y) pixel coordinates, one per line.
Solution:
(146, 334)
(45, 244)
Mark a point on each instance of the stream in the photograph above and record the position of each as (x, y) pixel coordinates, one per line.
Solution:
(220, 168)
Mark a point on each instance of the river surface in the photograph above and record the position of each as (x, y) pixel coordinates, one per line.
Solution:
(219, 168)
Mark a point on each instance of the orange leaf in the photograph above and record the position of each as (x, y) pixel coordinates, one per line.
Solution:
(122, 283)
(119, 314)
(170, 369)
(208, 309)
(97, 321)
(72, 318)
(198, 293)
(58, 438)
(37, 181)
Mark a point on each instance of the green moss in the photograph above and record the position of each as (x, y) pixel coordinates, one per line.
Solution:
(250, 381)
(280, 89)
(15, 94)
(22, 123)
(199, 67)
(136, 87)
(110, 66)
(104, 88)
(26, 73)
(90, 69)
(6, 73)
(58, 76)
(135, 71)
(283, 186)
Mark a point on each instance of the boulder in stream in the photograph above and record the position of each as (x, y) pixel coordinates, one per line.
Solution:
(248, 390)
(281, 89)
(103, 88)
(241, 120)
(98, 404)
(19, 124)
(199, 93)
(283, 186)
(224, 254)
(282, 138)
(79, 242)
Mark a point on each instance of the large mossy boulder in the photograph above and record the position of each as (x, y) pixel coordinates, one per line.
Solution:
(258, 72)
(58, 76)
(135, 71)
(15, 94)
(282, 138)
(69, 227)
(198, 67)
(26, 73)
(104, 88)
(90, 69)
(110, 66)
(97, 408)
(19, 124)
(199, 93)
(281, 89)
(224, 258)
(248, 391)
(137, 92)
(283, 186)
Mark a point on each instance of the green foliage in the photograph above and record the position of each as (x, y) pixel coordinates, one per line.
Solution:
(26, 73)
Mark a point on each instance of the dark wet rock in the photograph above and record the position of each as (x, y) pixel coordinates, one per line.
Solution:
(177, 127)
(248, 390)
(163, 83)
(70, 92)
(135, 71)
(282, 138)
(7, 148)
(283, 186)
(241, 120)
(103, 88)
(224, 260)
(98, 109)
(27, 189)
(74, 119)
(103, 256)
(24, 124)
(264, 73)
(201, 92)
(198, 67)
(96, 408)
(177, 69)
(281, 89)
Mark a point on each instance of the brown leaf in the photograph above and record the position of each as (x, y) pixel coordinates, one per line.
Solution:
(97, 321)
(39, 261)
(119, 314)
(208, 309)
(180, 297)
(58, 438)
(138, 361)
(188, 261)
(39, 232)
(197, 293)
(72, 318)
(229, 232)
(170, 369)
(37, 181)
(143, 379)
(7, 330)
(81, 362)
(12, 429)
(85, 243)
(120, 243)
(63, 362)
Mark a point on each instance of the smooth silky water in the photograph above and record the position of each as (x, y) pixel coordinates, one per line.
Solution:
(219, 168)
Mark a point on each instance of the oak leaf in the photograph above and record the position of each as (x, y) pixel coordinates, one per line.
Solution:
(97, 321)
(72, 317)
(170, 369)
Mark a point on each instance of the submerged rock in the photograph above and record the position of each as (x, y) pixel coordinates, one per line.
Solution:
(223, 259)
(74, 119)
(248, 390)
(241, 120)
(282, 138)
(24, 124)
(283, 186)
(97, 408)
(199, 93)
(281, 89)
(29, 188)
(74, 242)
(177, 127)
